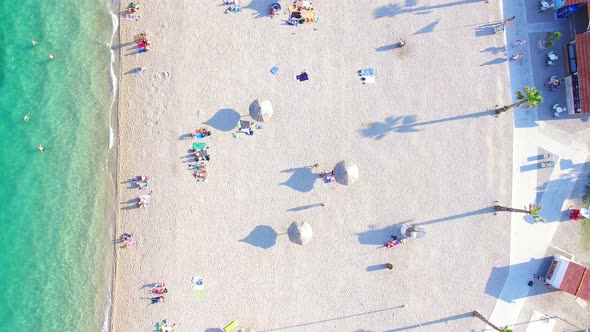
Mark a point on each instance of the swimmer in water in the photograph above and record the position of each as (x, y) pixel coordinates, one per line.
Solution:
(41, 148)
(51, 57)
(27, 117)
(34, 43)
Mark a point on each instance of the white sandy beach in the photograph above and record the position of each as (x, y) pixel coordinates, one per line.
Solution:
(444, 171)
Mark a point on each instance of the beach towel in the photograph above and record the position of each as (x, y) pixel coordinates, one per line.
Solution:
(302, 77)
(198, 146)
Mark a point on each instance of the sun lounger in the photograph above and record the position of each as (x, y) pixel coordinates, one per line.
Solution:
(231, 326)
(368, 79)
(366, 72)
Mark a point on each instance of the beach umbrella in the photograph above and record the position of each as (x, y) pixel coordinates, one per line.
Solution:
(413, 231)
(261, 110)
(300, 232)
(346, 172)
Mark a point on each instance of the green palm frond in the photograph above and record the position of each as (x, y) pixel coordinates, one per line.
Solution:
(531, 95)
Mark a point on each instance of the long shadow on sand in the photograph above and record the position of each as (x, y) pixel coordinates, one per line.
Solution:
(432, 322)
(261, 7)
(508, 293)
(302, 179)
(130, 204)
(394, 9)
(226, 119)
(304, 207)
(299, 327)
(262, 236)
(427, 29)
(496, 61)
(457, 216)
(407, 124)
(379, 236)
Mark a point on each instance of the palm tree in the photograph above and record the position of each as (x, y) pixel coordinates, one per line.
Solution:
(532, 210)
(531, 97)
(547, 41)
(480, 316)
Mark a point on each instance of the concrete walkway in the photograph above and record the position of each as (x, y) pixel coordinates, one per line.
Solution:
(529, 241)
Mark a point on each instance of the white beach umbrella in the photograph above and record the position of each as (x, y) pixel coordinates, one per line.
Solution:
(346, 172)
(261, 110)
(300, 232)
(413, 232)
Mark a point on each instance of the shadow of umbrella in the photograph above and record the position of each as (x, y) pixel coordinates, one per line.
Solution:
(302, 179)
(262, 236)
(225, 119)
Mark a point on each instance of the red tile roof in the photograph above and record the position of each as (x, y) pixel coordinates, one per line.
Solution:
(576, 281)
(583, 62)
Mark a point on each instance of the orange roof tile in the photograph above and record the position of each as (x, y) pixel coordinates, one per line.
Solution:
(583, 62)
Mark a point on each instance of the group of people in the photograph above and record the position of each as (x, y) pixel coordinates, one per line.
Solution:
(159, 289)
(165, 326)
(127, 240)
(201, 132)
(142, 182)
(143, 43)
(144, 200)
(395, 241)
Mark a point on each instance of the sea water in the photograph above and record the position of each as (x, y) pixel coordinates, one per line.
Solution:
(55, 241)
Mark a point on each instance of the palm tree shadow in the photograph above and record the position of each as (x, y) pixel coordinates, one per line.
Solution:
(406, 124)
(261, 7)
(302, 179)
(458, 216)
(393, 9)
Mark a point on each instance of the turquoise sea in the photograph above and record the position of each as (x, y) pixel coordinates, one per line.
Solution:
(55, 252)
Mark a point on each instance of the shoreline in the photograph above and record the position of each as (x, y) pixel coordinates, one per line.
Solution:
(112, 165)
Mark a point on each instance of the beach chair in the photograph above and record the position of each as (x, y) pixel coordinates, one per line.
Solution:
(366, 72)
(246, 127)
(230, 326)
(368, 79)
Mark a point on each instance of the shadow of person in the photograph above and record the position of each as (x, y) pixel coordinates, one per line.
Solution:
(302, 179)
(226, 119)
(130, 204)
(262, 236)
